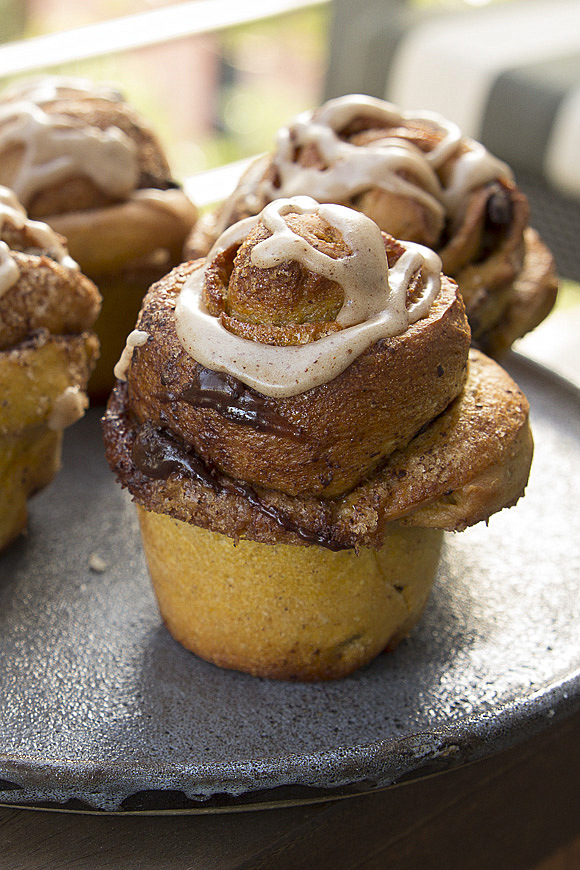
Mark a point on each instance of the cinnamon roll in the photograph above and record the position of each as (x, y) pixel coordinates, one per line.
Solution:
(298, 417)
(47, 352)
(82, 159)
(419, 179)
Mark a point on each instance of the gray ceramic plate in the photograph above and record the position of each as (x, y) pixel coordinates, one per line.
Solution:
(101, 710)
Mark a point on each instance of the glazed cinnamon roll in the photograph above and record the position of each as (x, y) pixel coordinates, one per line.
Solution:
(82, 159)
(298, 418)
(419, 179)
(47, 352)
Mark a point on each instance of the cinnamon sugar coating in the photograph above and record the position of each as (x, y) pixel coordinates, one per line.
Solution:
(78, 192)
(47, 353)
(47, 296)
(85, 161)
(481, 235)
(527, 306)
(417, 429)
(322, 442)
(469, 462)
(47, 291)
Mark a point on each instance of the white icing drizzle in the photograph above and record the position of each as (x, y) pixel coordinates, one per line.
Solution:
(9, 271)
(39, 235)
(57, 146)
(136, 338)
(374, 300)
(351, 169)
(69, 407)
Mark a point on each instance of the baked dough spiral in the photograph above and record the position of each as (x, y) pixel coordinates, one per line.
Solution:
(47, 352)
(306, 447)
(420, 179)
(86, 162)
(330, 398)
(297, 417)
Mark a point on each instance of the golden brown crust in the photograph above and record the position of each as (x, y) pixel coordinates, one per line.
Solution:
(41, 383)
(403, 217)
(470, 462)
(324, 441)
(77, 192)
(477, 452)
(104, 232)
(47, 353)
(487, 283)
(46, 291)
(125, 248)
(124, 241)
(490, 490)
(483, 247)
(531, 299)
(120, 236)
(46, 296)
(284, 295)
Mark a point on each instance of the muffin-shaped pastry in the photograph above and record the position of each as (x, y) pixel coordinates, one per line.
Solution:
(420, 180)
(47, 352)
(83, 160)
(297, 419)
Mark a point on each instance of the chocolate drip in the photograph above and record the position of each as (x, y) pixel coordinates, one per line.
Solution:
(230, 398)
(283, 521)
(157, 454)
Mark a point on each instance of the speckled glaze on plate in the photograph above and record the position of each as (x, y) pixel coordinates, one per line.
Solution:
(100, 710)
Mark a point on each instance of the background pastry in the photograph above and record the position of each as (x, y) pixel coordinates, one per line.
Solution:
(83, 160)
(420, 180)
(297, 420)
(47, 352)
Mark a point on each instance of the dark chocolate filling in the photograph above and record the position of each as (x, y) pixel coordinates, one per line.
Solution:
(229, 397)
(158, 454)
(499, 212)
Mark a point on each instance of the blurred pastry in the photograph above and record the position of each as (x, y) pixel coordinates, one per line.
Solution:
(420, 179)
(82, 159)
(47, 352)
(297, 419)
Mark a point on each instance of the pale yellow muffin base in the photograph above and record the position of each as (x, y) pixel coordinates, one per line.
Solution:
(28, 462)
(285, 611)
(34, 376)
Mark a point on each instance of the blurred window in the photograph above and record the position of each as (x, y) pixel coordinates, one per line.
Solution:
(212, 97)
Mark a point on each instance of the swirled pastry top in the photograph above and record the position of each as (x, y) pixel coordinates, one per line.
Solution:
(356, 143)
(68, 144)
(14, 228)
(304, 351)
(421, 180)
(41, 286)
(373, 300)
